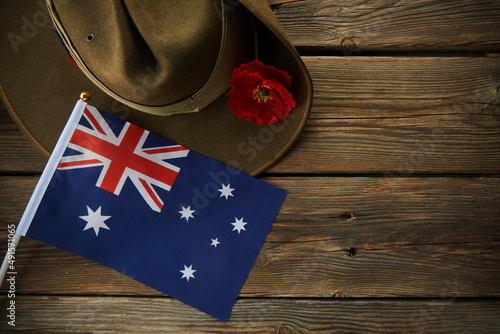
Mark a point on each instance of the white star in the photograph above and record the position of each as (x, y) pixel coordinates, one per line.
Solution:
(186, 213)
(95, 220)
(226, 191)
(239, 225)
(215, 242)
(187, 273)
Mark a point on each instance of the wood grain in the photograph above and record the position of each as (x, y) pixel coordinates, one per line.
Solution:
(59, 314)
(301, 270)
(401, 116)
(356, 26)
(376, 115)
(386, 211)
(353, 236)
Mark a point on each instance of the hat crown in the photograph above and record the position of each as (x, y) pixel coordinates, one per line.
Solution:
(150, 53)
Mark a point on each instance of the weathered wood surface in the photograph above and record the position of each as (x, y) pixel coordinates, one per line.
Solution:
(357, 237)
(162, 315)
(318, 269)
(392, 219)
(376, 114)
(351, 27)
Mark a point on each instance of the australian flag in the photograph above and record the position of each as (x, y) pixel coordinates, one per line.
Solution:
(173, 219)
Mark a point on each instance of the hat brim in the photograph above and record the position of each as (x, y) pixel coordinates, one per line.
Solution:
(39, 86)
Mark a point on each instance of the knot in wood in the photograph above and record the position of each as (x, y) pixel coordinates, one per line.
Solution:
(338, 294)
(348, 43)
(262, 259)
(348, 216)
(286, 329)
(351, 252)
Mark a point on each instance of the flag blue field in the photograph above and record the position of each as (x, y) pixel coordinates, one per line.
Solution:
(175, 220)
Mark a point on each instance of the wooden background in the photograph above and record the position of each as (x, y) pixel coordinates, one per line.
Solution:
(392, 222)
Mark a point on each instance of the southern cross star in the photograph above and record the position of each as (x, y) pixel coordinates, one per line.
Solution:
(186, 213)
(226, 191)
(215, 242)
(239, 225)
(187, 273)
(95, 220)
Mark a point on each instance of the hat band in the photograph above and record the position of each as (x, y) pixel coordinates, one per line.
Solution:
(229, 58)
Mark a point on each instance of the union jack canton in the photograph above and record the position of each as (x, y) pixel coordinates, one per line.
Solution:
(123, 156)
(151, 209)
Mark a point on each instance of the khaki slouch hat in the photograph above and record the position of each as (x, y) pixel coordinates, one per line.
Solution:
(162, 65)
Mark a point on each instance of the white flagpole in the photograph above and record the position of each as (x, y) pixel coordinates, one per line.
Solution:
(43, 182)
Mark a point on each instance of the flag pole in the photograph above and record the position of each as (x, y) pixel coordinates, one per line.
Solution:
(28, 214)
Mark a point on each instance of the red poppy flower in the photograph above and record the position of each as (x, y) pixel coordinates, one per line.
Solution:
(258, 93)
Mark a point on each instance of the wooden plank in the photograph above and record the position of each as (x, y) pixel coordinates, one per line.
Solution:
(386, 211)
(402, 116)
(356, 236)
(132, 315)
(402, 87)
(300, 270)
(377, 115)
(357, 26)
